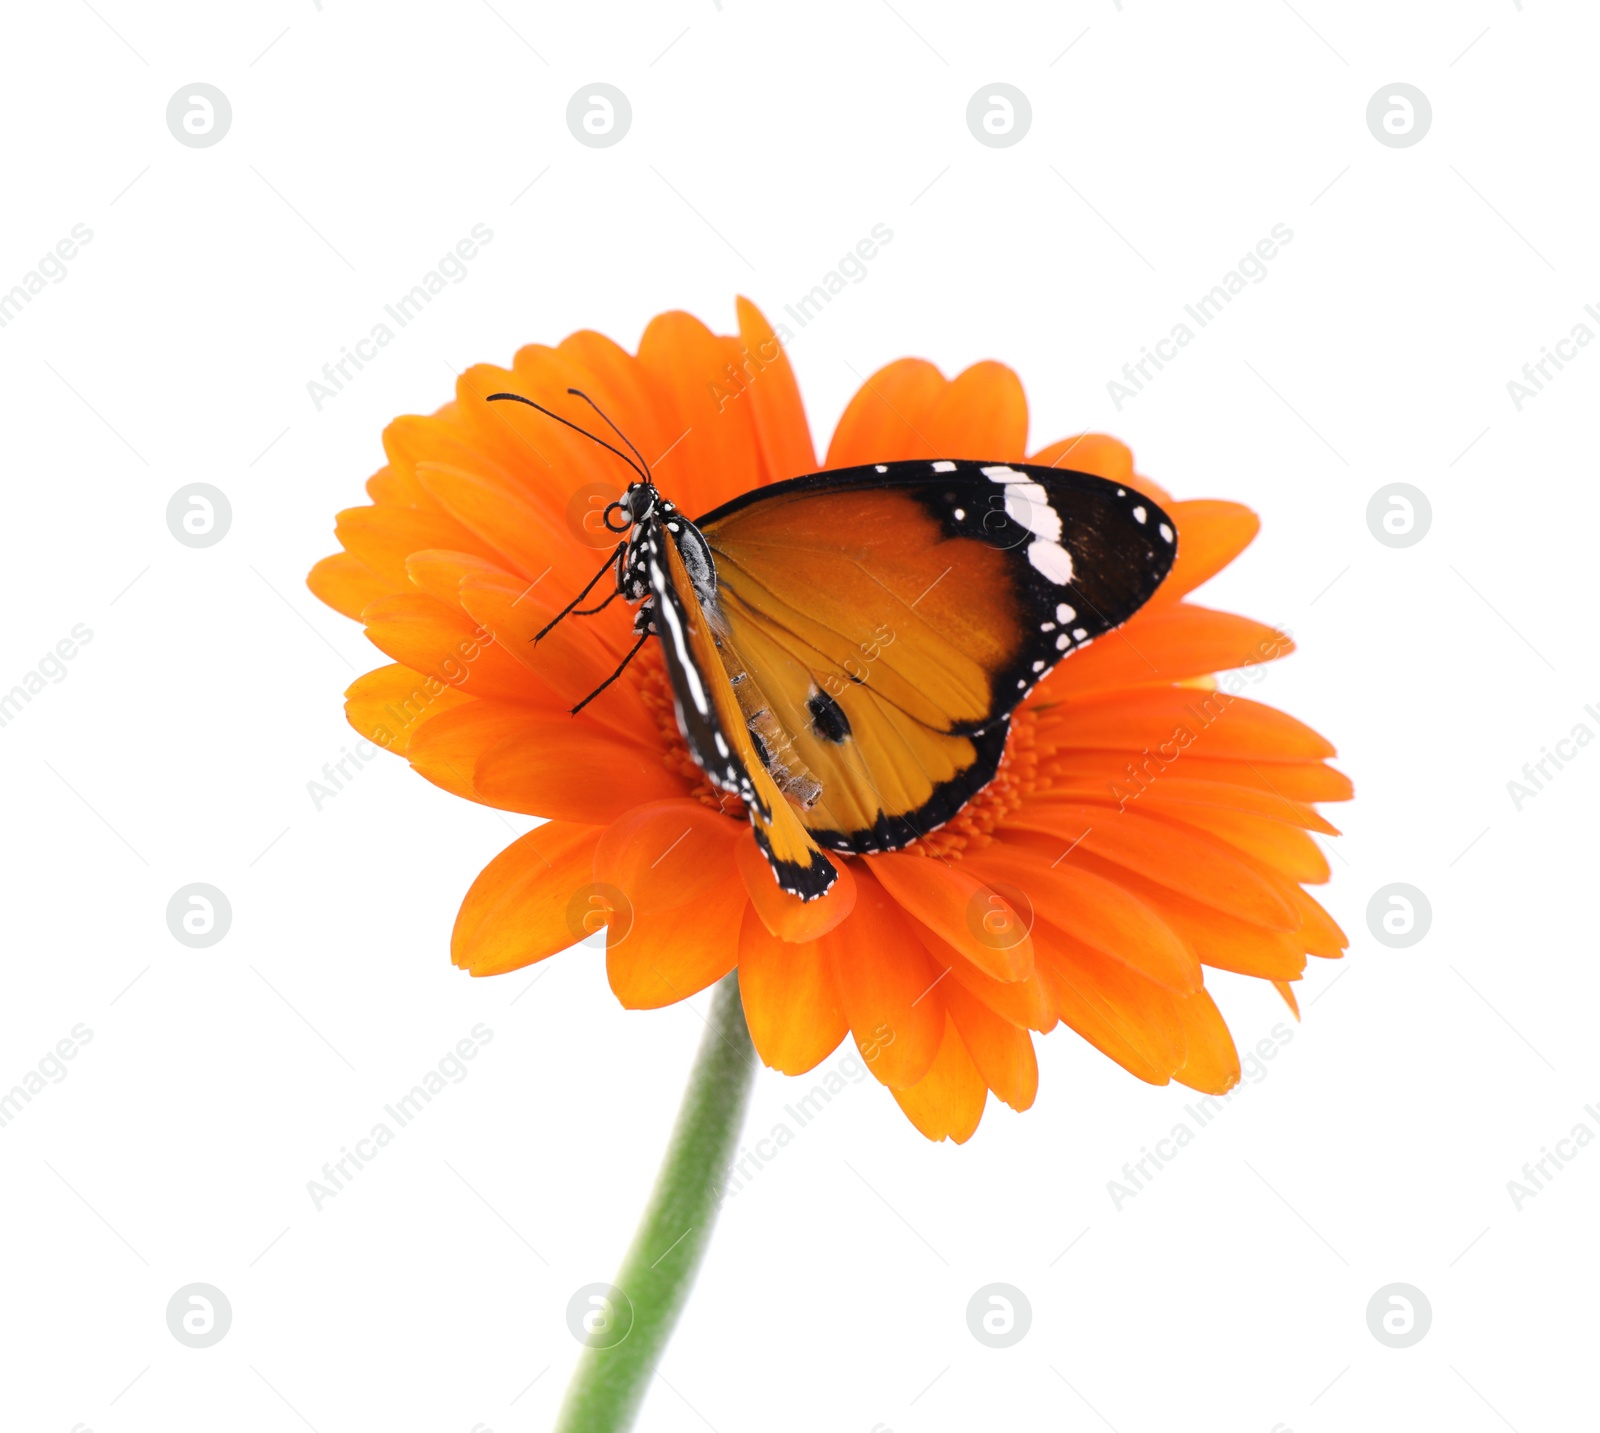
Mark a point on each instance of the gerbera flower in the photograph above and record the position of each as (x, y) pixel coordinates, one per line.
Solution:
(1146, 822)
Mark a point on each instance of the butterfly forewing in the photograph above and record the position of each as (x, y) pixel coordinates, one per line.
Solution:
(893, 616)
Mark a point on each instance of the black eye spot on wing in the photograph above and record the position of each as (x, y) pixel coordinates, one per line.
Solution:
(828, 720)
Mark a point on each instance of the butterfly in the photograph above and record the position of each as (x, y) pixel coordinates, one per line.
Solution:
(845, 649)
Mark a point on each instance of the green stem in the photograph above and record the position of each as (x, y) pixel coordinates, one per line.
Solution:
(660, 1267)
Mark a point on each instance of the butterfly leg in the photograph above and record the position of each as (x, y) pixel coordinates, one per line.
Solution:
(646, 630)
(612, 561)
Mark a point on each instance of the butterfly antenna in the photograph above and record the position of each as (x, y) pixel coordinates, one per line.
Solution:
(579, 393)
(643, 472)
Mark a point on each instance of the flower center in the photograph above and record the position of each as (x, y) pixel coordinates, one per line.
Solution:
(970, 829)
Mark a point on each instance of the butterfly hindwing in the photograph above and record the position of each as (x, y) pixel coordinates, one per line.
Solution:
(891, 618)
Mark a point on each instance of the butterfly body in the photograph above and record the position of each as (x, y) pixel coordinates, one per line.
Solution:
(846, 649)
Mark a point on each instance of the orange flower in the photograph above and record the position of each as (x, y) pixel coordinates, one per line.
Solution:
(1145, 823)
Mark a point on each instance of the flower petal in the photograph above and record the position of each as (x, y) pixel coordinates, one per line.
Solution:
(447, 745)
(668, 869)
(714, 456)
(669, 955)
(1123, 1015)
(888, 416)
(1181, 719)
(788, 917)
(444, 643)
(791, 1002)
(1188, 861)
(561, 768)
(346, 584)
(1030, 1002)
(387, 705)
(1100, 913)
(948, 1101)
(521, 907)
(1170, 644)
(955, 903)
(1210, 535)
(886, 984)
(1212, 1064)
(1002, 1052)
(981, 414)
(665, 855)
(783, 437)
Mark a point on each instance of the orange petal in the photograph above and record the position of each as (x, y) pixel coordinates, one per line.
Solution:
(388, 705)
(1173, 721)
(1287, 849)
(565, 769)
(1167, 644)
(526, 903)
(1293, 780)
(959, 908)
(1219, 940)
(1212, 1064)
(948, 1101)
(889, 416)
(886, 984)
(782, 434)
(1188, 861)
(669, 955)
(447, 745)
(443, 642)
(1123, 1015)
(1002, 1052)
(1094, 453)
(1030, 1003)
(1100, 913)
(791, 1003)
(664, 855)
(714, 457)
(566, 664)
(1210, 535)
(1287, 991)
(346, 584)
(788, 917)
(530, 530)
(1319, 930)
(382, 538)
(981, 414)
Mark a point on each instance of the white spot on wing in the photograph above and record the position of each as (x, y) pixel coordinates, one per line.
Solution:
(1165, 532)
(1139, 514)
(1065, 613)
(1029, 504)
(881, 467)
(944, 466)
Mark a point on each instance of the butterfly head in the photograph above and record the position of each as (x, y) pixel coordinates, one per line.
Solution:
(637, 505)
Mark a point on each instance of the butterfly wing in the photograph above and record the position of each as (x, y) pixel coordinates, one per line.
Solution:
(891, 617)
(723, 725)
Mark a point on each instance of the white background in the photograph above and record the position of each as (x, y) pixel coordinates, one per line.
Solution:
(430, 1294)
